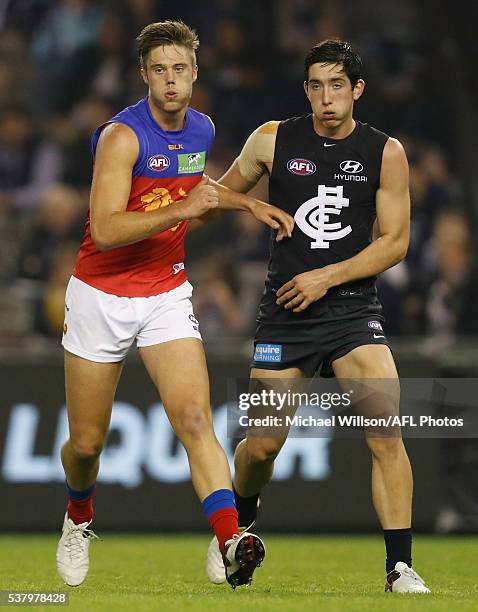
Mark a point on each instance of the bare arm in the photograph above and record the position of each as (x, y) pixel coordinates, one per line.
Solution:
(393, 220)
(232, 180)
(393, 223)
(111, 224)
(255, 160)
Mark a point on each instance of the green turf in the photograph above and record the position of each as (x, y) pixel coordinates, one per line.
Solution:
(300, 573)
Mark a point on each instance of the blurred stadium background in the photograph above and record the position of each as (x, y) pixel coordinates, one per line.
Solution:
(68, 65)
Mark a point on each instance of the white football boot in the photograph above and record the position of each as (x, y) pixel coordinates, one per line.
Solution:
(72, 558)
(215, 569)
(242, 554)
(404, 579)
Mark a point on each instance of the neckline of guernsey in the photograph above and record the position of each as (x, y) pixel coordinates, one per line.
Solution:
(326, 139)
(159, 128)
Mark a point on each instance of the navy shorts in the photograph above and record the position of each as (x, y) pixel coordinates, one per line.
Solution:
(312, 340)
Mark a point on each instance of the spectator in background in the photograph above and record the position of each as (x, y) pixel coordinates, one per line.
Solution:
(7, 79)
(237, 79)
(99, 68)
(17, 70)
(392, 286)
(300, 24)
(60, 218)
(71, 26)
(91, 112)
(430, 191)
(216, 305)
(137, 13)
(445, 296)
(249, 250)
(29, 163)
(51, 309)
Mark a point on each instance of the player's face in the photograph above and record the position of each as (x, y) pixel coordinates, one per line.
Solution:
(331, 94)
(170, 72)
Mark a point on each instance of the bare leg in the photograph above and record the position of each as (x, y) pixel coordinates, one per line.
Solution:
(392, 481)
(185, 395)
(254, 457)
(90, 389)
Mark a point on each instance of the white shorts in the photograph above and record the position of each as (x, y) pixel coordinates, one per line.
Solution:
(102, 327)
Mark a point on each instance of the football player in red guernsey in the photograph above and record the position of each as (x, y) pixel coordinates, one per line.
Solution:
(130, 283)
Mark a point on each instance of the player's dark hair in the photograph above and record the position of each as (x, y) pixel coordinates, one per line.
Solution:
(335, 51)
(163, 33)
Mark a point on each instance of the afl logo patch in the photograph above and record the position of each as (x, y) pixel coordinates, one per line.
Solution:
(375, 325)
(158, 163)
(300, 166)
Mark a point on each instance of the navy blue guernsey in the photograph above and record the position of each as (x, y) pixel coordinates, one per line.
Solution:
(329, 187)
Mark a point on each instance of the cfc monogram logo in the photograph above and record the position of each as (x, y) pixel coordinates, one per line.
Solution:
(313, 217)
(159, 198)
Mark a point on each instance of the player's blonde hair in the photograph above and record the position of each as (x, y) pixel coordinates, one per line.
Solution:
(163, 33)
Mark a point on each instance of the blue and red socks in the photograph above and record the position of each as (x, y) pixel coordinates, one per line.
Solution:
(220, 509)
(80, 504)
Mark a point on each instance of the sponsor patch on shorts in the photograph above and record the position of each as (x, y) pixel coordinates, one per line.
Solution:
(268, 352)
(375, 325)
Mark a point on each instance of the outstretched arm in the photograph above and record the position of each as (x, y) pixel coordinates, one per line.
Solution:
(393, 219)
(255, 160)
(272, 216)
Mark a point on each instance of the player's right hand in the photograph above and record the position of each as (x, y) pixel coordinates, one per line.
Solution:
(201, 199)
(275, 218)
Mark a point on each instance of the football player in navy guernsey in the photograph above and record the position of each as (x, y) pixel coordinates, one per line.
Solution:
(345, 183)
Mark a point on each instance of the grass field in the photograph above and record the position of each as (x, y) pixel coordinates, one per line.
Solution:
(300, 573)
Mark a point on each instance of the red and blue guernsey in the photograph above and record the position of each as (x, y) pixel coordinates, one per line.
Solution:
(169, 165)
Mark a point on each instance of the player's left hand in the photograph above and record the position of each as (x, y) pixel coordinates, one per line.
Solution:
(275, 218)
(304, 289)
